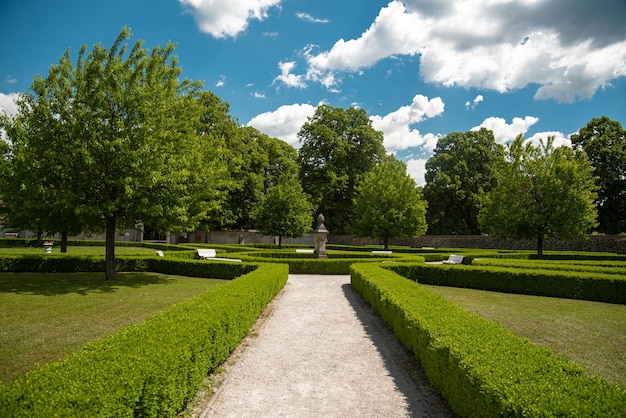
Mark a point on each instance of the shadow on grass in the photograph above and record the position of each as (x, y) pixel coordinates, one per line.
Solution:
(53, 284)
(407, 373)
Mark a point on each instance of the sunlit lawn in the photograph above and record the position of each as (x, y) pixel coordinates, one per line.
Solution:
(43, 317)
(591, 334)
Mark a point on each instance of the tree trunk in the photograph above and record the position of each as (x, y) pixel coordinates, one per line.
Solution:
(64, 241)
(540, 245)
(280, 242)
(386, 242)
(110, 248)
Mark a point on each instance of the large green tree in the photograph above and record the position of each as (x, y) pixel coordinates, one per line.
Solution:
(458, 174)
(338, 147)
(284, 210)
(604, 142)
(388, 204)
(542, 192)
(124, 146)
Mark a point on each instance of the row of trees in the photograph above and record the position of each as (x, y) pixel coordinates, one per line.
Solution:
(118, 139)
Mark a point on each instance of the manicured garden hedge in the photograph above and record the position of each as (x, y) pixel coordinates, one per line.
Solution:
(604, 267)
(153, 368)
(336, 263)
(591, 286)
(481, 368)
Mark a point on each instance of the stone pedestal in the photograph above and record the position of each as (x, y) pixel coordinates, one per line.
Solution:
(320, 237)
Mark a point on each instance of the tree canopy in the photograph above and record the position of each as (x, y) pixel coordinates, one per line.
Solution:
(124, 141)
(542, 192)
(338, 147)
(388, 204)
(604, 142)
(284, 210)
(458, 174)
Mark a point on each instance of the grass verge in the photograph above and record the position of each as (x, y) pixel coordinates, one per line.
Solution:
(43, 317)
(592, 334)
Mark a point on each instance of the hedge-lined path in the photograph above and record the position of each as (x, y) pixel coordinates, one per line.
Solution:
(322, 352)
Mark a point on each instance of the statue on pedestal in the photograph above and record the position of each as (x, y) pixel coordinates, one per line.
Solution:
(320, 236)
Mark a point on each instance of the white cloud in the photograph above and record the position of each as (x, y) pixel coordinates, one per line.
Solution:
(559, 138)
(258, 95)
(290, 80)
(221, 82)
(284, 123)
(308, 18)
(417, 170)
(227, 18)
(484, 44)
(504, 131)
(7, 103)
(396, 126)
(472, 105)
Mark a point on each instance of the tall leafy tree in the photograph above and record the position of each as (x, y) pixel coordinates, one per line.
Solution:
(130, 149)
(338, 147)
(604, 142)
(388, 204)
(458, 174)
(284, 211)
(542, 192)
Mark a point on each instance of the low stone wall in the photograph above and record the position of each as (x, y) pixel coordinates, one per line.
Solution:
(593, 243)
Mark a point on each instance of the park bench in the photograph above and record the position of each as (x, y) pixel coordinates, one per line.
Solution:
(160, 253)
(454, 259)
(307, 251)
(381, 252)
(210, 254)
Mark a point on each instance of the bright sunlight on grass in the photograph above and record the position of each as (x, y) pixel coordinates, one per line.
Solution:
(43, 317)
(591, 334)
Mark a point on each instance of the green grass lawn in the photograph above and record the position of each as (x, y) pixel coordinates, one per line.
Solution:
(43, 317)
(591, 334)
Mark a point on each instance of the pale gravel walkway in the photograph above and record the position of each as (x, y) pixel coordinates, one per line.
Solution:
(323, 353)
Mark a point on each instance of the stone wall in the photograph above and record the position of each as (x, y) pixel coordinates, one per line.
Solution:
(594, 243)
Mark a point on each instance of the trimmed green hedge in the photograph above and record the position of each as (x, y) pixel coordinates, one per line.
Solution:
(153, 368)
(610, 288)
(481, 368)
(301, 263)
(604, 267)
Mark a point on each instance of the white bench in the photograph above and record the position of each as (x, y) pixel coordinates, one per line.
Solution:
(210, 254)
(160, 253)
(454, 259)
(206, 253)
(307, 251)
(381, 252)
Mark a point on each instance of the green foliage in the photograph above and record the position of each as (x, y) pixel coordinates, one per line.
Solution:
(585, 285)
(604, 142)
(542, 192)
(338, 147)
(481, 368)
(284, 211)
(389, 204)
(458, 174)
(153, 368)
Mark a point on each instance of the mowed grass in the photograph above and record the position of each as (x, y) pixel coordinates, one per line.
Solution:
(591, 334)
(43, 317)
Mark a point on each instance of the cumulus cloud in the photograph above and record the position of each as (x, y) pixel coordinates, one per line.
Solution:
(417, 170)
(503, 131)
(7, 103)
(289, 79)
(284, 123)
(472, 105)
(559, 138)
(227, 18)
(569, 49)
(396, 126)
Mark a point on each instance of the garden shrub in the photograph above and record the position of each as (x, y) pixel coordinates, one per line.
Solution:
(598, 287)
(149, 369)
(480, 367)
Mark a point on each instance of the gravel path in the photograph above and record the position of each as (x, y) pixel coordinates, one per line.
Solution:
(322, 352)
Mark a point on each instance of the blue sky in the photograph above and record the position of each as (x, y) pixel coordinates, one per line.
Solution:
(420, 68)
